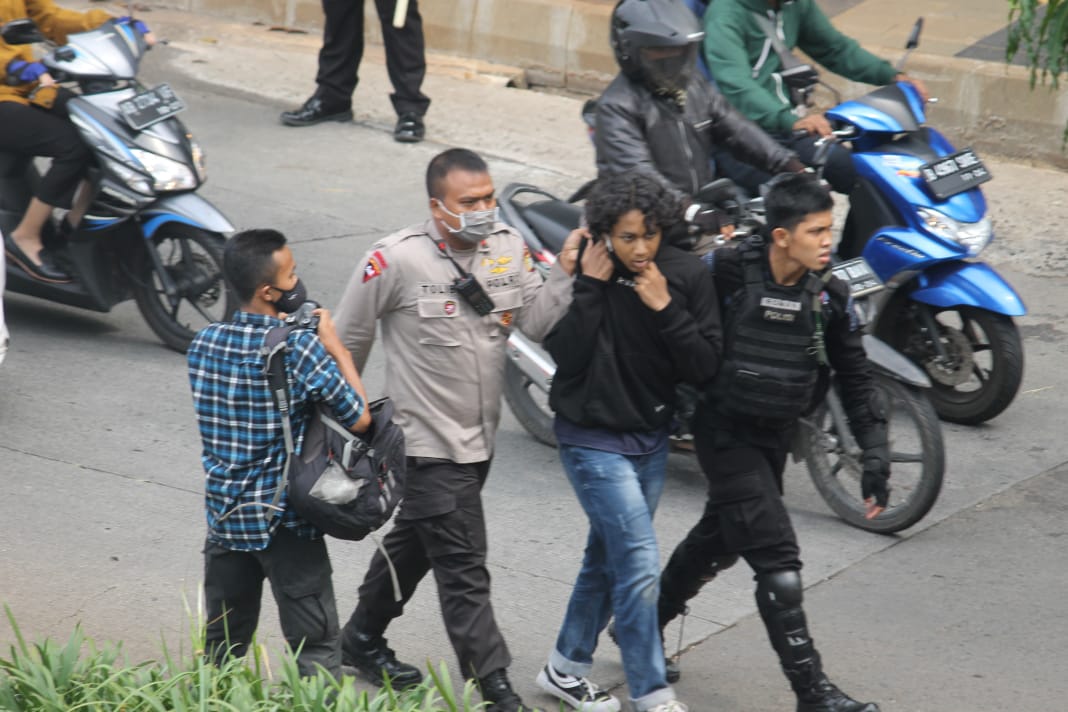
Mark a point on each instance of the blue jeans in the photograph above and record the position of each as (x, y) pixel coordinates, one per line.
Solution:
(620, 571)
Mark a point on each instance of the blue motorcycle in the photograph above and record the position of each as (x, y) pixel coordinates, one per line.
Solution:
(918, 216)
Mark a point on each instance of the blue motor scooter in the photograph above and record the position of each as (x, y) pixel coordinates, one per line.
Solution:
(918, 216)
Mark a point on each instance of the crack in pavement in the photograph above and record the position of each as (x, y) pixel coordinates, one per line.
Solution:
(100, 470)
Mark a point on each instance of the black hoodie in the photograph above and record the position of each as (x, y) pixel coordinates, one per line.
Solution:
(618, 361)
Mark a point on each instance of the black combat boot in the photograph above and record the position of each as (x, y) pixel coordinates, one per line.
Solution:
(822, 695)
(779, 596)
(498, 692)
(376, 661)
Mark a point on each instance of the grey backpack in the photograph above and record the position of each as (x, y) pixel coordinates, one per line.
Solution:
(345, 484)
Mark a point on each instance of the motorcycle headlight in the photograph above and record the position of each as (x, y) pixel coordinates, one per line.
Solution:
(973, 237)
(114, 152)
(166, 174)
(134, 179)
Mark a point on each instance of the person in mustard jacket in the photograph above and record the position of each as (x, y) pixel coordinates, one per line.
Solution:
(33, 122)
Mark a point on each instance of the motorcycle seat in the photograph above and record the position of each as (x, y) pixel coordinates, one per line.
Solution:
(552, 221)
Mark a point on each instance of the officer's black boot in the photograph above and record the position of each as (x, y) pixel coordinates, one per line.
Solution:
(681, 580)
(498, 692)
(376, 661)
(779, 596)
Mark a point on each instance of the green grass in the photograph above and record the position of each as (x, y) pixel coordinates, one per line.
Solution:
(80, 675)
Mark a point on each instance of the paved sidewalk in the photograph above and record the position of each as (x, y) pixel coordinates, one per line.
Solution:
(973, 29)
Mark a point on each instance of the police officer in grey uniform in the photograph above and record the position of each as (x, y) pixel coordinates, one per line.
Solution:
(445, 337)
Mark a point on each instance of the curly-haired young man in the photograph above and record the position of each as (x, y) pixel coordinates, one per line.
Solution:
(643, 318)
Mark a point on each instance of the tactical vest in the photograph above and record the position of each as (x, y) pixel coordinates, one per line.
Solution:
(774, 345)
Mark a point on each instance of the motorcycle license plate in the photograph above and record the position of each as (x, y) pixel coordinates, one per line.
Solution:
(954, 174)
(150, 107)
(860, 277)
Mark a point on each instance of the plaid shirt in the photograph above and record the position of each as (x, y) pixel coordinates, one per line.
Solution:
(241, 427)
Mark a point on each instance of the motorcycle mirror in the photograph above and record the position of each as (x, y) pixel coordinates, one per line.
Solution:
(21, 32)
(914, 36)
(716, 192)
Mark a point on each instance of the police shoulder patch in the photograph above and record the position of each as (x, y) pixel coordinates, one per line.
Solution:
(376, 264)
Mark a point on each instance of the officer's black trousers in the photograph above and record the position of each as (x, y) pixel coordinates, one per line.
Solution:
(440, 528)
(744, 516)
(299, 572)
(342, 50)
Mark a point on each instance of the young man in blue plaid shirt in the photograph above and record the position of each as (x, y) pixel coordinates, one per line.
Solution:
(244, 454)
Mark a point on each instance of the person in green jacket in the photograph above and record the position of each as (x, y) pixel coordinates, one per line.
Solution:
(746, 69)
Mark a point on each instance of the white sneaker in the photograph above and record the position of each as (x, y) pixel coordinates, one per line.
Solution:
(669, 706)
(578, 692)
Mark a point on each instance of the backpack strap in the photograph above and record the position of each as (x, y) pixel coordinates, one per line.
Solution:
(355, 446)
(771, 31)
(274, 367)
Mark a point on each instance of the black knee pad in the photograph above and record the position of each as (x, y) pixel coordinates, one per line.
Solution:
(780, 589)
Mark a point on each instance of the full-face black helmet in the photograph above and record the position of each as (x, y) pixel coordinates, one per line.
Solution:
(656, 42)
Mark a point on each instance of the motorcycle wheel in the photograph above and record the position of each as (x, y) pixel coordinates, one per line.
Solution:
(193, 259)
(529, 404)
(917, 460)
(984, 368)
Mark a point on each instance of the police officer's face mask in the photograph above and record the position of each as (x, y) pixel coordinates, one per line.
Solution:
(475, 226)
(291, 298)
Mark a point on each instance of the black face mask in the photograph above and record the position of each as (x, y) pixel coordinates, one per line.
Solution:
(291, 298)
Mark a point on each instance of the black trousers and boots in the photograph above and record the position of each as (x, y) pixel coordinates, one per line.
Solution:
(339, 64)
(342, 50)
(299, 572)
(745, 516)
(440, 528)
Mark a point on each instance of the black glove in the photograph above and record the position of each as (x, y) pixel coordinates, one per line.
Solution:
(874, 482)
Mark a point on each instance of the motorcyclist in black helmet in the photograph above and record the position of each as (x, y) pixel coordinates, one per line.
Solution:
(658, 115)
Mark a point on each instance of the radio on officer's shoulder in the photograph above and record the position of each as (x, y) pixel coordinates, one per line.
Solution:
(472, 292)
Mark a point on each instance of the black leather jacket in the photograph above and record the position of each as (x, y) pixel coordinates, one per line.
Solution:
(637, 129)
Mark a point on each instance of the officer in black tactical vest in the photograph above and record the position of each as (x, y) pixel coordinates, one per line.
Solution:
(786, 320)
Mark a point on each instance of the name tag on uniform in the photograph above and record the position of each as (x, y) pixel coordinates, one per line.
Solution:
(780, 310)
(427, 289)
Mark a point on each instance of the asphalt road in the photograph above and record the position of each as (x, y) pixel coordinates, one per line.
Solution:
(102, 521)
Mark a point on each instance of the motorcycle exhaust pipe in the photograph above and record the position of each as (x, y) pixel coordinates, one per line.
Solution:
(532, 360)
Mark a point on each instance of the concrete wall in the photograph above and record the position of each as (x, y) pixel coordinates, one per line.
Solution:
(564, 43)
